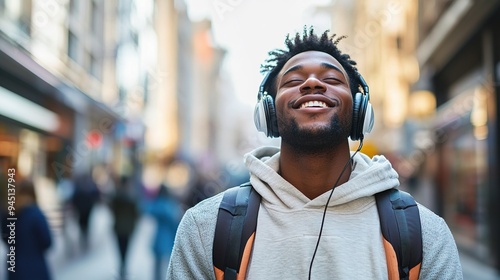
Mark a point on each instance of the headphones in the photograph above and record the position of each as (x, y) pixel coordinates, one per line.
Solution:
(362, 112)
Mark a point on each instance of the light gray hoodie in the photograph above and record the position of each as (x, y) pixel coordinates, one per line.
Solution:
(288, 226)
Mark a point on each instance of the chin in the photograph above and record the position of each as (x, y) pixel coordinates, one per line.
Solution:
(317, 138)
(314, 136)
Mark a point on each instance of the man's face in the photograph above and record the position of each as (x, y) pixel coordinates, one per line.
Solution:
(313, 100)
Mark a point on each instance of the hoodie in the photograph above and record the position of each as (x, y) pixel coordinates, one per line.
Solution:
(288, 228)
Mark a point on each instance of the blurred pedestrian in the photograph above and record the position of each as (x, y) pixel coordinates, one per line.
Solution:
(85, 196)
(166, 210)
(125, 211)
(32, 236)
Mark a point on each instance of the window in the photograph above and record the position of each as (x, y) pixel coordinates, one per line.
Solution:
(95, 19)
(73, 46)
(95, 67)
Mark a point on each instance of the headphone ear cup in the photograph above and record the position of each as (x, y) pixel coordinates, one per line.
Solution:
(358, 115)
(369, 118)
(265, 117)
(259, 117)
(271, 119)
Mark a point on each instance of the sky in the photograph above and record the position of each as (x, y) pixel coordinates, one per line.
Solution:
(249, 29)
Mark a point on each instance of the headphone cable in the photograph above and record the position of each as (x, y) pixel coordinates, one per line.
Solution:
(328, 202)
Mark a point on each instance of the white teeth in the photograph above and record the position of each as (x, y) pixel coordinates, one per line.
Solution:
(315, 103)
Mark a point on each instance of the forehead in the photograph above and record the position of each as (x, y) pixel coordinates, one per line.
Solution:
(312, 58)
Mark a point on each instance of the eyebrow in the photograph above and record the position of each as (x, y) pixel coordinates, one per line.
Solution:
(325, 65)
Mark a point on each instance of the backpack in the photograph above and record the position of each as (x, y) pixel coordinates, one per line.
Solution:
(237, 221)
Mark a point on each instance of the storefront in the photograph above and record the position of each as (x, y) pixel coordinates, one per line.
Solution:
(466, 89)
(50, 130)
(34, 133)
(462, 178)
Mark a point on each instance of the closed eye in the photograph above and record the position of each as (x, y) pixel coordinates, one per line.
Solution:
(292, 82)
(333, 80)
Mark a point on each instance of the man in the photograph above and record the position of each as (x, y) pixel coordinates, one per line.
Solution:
(314, 107)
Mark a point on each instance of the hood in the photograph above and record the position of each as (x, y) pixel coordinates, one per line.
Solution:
(368, 177)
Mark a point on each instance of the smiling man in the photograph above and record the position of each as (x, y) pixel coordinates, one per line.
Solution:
(318, 212)
(314, 112)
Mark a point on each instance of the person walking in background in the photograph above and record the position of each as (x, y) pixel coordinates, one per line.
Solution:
(167, 212)
(33, 236)
(126, 213)
(85, 196)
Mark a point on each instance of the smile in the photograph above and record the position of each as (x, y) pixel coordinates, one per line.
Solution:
(315, 103)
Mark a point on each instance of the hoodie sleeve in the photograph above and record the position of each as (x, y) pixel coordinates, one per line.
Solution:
(440, 253)
(192, 253)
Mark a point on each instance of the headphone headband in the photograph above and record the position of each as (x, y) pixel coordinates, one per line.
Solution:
(263, 84)
(364, 85)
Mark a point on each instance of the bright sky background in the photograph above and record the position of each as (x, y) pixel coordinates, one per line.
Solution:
(249, 29)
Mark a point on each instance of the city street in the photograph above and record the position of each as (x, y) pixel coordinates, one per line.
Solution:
(474, 270)
(104, 98)
(100, 261)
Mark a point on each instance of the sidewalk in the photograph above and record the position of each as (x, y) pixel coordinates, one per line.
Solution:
(475, 270)
(100, 262)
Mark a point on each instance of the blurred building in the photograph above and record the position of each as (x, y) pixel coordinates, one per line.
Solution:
(202, 110)
(74, 81)
(161, 112)
(198, 96)
(459, 58)
(138, 71)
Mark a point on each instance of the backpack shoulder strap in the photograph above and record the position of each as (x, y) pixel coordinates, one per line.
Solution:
(237, 222)
(235, 231)
(402, 233)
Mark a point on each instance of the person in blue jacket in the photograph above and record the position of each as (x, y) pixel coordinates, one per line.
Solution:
(167, 212)
(33, 236)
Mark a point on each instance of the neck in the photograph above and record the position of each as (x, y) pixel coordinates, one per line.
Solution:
(315, 173)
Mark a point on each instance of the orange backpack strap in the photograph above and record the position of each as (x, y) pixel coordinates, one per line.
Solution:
(402, 233)
(235, 232)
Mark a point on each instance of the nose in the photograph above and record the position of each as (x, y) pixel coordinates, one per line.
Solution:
(312, 84)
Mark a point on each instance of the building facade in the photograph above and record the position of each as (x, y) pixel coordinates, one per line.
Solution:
(459, 57)
(65, 106)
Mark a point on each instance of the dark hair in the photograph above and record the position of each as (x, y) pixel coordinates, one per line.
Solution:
(309, 41)
(27, 187)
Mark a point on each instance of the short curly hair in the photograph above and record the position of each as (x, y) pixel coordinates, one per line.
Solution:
(309, 41)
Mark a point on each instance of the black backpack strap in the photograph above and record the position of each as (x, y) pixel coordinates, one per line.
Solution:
(236, 223)
(400, 224)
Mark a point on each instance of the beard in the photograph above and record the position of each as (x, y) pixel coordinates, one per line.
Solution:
(317, 139)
